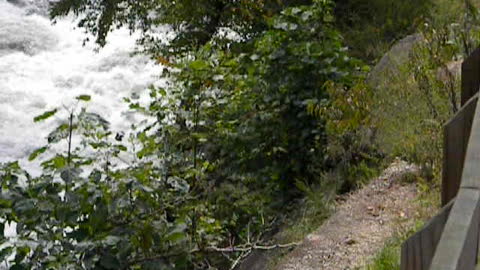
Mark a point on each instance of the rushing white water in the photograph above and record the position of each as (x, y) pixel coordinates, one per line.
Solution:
(44, 66)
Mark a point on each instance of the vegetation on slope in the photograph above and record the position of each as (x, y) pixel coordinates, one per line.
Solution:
(263, 102)
(228, 141)
(429, 91)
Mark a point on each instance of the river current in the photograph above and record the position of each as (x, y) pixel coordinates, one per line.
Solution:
(45, 66)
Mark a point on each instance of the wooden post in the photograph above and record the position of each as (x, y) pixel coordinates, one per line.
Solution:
(451, 240)
(426, 241)
(456, 136)
(457, 249)
(470, 76)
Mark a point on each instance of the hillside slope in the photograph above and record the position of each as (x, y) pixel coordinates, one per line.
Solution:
(361, 225)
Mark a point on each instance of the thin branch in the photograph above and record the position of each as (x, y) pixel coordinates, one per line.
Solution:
(245, 250)
(252, 247)
(70, 132)
(239, 259)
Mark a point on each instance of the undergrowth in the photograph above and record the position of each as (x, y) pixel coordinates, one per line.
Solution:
(420, 100)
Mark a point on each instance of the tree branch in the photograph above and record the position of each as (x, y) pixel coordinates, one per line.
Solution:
(247, 248)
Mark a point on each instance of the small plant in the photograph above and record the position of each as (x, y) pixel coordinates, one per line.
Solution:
(387, 259)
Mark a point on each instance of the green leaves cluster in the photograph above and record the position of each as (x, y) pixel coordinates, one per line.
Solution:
(224, 146)
(425, 93)
(87, 211)
(194, 23)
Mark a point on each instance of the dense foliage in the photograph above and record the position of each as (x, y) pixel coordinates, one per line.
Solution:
(225, 144)
(428, 85)
(192, 23)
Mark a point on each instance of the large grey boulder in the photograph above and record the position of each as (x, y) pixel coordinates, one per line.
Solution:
(393, 60)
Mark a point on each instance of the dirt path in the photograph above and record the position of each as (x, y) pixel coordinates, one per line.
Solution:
(360, 226)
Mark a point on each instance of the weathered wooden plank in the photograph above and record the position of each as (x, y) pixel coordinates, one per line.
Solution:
(471, 168)
(456, 137)
(457, 228)
(478, 244)
(417, 252)
(439, 221)
(404, 256)
(427, 247)
(457, 247)
(452, 158)
(408, 258)
(429, 236)
(411, 255)
(470, 76)
(469, 256)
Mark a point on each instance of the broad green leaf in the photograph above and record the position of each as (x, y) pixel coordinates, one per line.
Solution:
(25, 205)
(80, 235)
(110, 262)
(68, 175)
(231, 63)
(60, 133)
(111, 240)
(121, 147)
(155, 265)
(177, 234)
(96, 175)
(22, 252)
(198, 65)
(136, 106)
(85, 98)
(176, 237)
(18, 266)
(5, 253)
(57, 162)
(45, 115)
(94, 119)
(36, 153)
(162, 92)
(45, 206)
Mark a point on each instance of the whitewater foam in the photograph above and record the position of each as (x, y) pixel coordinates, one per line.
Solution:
(45, 66)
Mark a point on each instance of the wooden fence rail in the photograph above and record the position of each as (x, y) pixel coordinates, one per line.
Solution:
(417, 251)
(450, 241)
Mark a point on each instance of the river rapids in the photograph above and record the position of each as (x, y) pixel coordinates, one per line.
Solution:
(45, 66)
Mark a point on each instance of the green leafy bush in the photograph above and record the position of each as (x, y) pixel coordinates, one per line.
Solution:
(199, 184)
(412, 105)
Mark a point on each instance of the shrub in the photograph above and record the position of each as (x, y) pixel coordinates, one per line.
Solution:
(412, 105)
